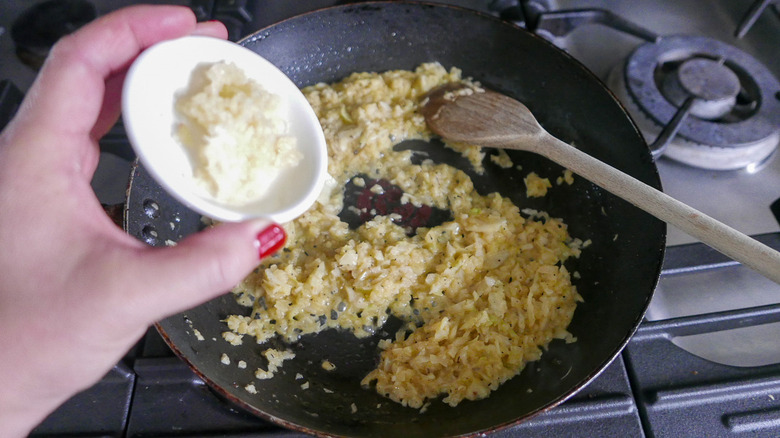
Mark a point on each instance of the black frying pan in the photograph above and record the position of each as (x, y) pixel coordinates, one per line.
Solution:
(618, 271)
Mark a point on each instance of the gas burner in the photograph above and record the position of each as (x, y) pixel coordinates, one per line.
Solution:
(709, 104)
(712, 86)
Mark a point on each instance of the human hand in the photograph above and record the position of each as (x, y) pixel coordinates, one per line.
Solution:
(71, 299)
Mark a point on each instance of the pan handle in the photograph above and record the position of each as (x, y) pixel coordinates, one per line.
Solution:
(562, 22)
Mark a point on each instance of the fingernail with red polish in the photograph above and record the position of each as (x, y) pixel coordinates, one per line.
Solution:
(270, 240)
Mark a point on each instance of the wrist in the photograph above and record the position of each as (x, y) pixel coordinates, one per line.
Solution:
(20, 413)
(30, 388)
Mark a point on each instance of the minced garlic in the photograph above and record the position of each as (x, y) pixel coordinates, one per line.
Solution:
(275, 359)
(536, 186)
(236, 134)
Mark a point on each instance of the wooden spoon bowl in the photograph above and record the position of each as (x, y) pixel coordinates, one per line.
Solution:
(485, 118)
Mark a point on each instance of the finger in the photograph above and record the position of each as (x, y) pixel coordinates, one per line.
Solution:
(203, 266)
(112, 104)
(212, 28)
(67, 98)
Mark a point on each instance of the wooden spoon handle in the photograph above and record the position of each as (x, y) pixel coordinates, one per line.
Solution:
(718, 235)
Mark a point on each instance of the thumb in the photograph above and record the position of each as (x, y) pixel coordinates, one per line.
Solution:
(204, 265)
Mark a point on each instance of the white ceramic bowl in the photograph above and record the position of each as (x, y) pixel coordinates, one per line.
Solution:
(151, 87)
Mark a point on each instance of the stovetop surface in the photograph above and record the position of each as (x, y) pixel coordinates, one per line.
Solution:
(704, 363)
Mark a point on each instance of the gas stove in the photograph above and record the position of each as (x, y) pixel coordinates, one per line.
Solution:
(700, 78)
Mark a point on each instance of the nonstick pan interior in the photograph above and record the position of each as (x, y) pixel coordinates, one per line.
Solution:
(618, 272)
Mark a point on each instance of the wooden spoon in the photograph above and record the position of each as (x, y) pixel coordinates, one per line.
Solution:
(490, 119)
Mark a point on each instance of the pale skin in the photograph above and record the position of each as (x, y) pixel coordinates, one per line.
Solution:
(76, 292)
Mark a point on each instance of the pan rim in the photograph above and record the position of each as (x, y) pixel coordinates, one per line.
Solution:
(584, 382)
